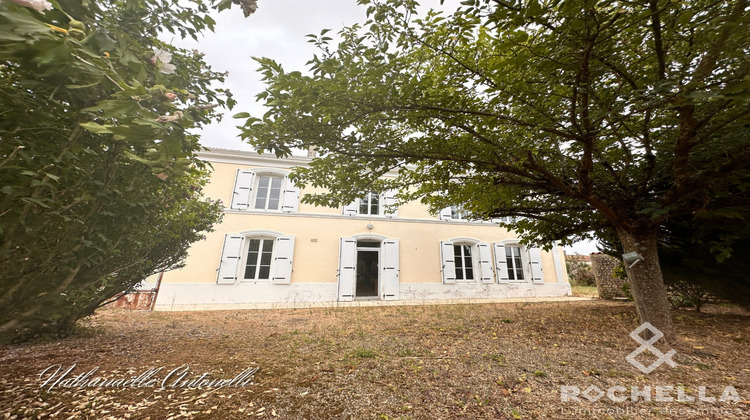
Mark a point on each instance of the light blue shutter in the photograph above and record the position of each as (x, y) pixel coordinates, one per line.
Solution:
(390, 279)
(485, 262)
(347, 268)
(243, 187)
(535, 259)
(290, 200)
(448, 264)
(389, 204)
(230, 259)
(445, 214)
(282, 261)
(501, 264)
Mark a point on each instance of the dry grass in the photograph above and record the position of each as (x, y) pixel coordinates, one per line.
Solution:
(585, 291)
(398, 362)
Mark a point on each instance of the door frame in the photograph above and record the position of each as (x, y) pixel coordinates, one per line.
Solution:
(377, 250)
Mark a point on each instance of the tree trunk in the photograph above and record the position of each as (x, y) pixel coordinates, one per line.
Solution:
(646, 281)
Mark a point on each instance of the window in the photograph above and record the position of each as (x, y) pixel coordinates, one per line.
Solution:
(256, 256)
(464, 262)
(518, 263)
(458, 213)
(269, 190)
(269, 193)
(370, 204)
(373, 204)
(515, 263)
(258, 262)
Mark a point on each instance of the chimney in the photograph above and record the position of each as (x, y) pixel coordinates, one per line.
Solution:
(312, 152)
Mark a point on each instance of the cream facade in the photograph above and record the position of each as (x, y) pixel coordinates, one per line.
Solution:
(273, 249)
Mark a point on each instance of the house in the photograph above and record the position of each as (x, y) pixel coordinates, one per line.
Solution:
(272, 249)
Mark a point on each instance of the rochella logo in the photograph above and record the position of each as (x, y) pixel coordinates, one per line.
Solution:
(649, 345)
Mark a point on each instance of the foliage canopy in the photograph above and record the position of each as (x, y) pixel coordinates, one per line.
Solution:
(100, 181)
(577, 115)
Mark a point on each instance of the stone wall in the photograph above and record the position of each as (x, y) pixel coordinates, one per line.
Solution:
(607, 283)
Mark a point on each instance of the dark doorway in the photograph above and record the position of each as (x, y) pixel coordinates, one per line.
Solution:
(368, 257)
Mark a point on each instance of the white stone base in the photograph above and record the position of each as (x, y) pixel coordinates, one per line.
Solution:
(190, 296)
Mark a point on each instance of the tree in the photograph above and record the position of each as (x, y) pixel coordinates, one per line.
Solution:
(574, 115)
(100, 181)
(705, 251)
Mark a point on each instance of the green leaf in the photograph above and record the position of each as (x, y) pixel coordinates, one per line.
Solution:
(97, 128)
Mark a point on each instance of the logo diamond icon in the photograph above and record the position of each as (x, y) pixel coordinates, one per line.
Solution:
(649, 345)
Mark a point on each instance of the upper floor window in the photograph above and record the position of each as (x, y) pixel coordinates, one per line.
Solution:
(458, 213)
(265, 190)
(373, 204)
(268, 196)
(370, 204)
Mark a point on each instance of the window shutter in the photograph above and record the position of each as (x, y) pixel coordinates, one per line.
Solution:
(445, 214)
(290, 200)
(230, 259)
(347, 268)
(501, 264)
(535, 259)
(485, 262)
(448, 262)
(282, 262)
(352, 209)
(390, 281)
(389, 204)
(243, 187)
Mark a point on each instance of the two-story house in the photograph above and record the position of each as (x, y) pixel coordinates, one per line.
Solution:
(271, 248)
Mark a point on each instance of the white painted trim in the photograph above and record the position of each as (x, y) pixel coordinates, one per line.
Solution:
(271, 172)
(357, 217)
(464, 240)
(369, 237)
(265, 160)
(261, 232)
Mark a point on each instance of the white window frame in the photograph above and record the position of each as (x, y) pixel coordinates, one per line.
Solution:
(459, 213)
(368, 197)
(386, 201)
(245, 252)
(473, 249)
(256, 194)
(524, 263)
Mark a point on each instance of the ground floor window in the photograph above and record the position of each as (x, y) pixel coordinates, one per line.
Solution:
(258, 263)
(515, 262)
(464, 266)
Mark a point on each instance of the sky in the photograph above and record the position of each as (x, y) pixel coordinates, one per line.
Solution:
(276, 30)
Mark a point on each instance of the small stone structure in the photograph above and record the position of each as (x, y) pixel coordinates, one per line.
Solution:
(609, 285)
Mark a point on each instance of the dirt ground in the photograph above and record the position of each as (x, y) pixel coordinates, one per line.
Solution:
(472, 361)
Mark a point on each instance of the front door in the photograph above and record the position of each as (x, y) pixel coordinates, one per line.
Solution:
(368, 269)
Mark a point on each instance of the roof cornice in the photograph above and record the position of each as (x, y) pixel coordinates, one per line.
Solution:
(240, 157)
